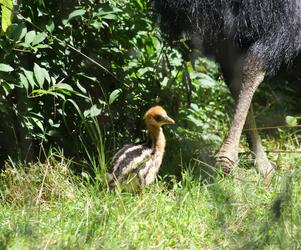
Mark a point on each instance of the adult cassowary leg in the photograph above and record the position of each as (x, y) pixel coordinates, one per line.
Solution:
(251, 77)
(263, 165)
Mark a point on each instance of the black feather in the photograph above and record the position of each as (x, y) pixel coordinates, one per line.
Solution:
(267, 30)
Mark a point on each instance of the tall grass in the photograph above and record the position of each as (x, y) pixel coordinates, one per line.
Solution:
(46, 206)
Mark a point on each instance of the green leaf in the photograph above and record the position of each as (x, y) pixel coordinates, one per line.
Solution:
(17, 31)
(39, 74)
(6, 11)
(38, 123)
(140, 4)
(114, 95)
(164, 82)
(42, 46)
(195, 107)
(24, 81)
(50, 26)
(203, 80)
(46, 75)
(7, 87)
(6, 67)
(97, 24)
(291, 120)
(40, 37)
(29, 76)
(142, 71)
(30, 36)
(81, 88)
(42, 73)
(92, 112)
(194, 120)
(76, 13)
(109, 16)
(64, 86)
(41, 92)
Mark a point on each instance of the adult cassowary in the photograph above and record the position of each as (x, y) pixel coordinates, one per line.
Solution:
(251, 40)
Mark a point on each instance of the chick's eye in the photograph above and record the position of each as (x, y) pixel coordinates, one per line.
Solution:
(158, 118)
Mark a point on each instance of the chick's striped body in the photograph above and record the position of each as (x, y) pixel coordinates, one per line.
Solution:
(136, 165)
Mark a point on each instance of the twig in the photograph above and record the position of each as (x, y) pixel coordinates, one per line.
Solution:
(44, 177)
(42, 185)
(21, 50)
(284, 151)
(275, 151)
(272, 127)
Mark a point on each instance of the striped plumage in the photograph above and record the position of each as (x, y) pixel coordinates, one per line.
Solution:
(136, 165)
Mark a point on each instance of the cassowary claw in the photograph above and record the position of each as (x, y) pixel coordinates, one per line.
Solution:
(224, 163)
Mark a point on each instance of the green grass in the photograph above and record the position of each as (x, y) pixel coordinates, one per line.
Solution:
(45, 206)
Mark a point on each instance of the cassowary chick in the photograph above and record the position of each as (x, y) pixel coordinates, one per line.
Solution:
(136, 165)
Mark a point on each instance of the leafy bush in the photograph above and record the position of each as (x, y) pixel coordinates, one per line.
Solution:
(79, 75)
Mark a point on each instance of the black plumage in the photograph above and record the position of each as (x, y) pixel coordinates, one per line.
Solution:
(268, 29)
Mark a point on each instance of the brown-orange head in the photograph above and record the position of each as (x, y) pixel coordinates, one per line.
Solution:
(157, 116)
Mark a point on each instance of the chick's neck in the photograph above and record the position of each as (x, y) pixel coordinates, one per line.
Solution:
(157, 138)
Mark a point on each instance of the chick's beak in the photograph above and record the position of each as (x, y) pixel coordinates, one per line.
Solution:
(168, 120)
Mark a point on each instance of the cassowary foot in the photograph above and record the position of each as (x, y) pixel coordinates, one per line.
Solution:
(264, 166)
(224, 162)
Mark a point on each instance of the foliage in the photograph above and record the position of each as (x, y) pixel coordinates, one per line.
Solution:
(78, 75)
(6, 13)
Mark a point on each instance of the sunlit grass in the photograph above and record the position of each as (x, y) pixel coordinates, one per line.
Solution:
(46, 206)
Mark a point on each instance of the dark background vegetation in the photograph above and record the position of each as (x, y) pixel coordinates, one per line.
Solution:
(77, 77)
